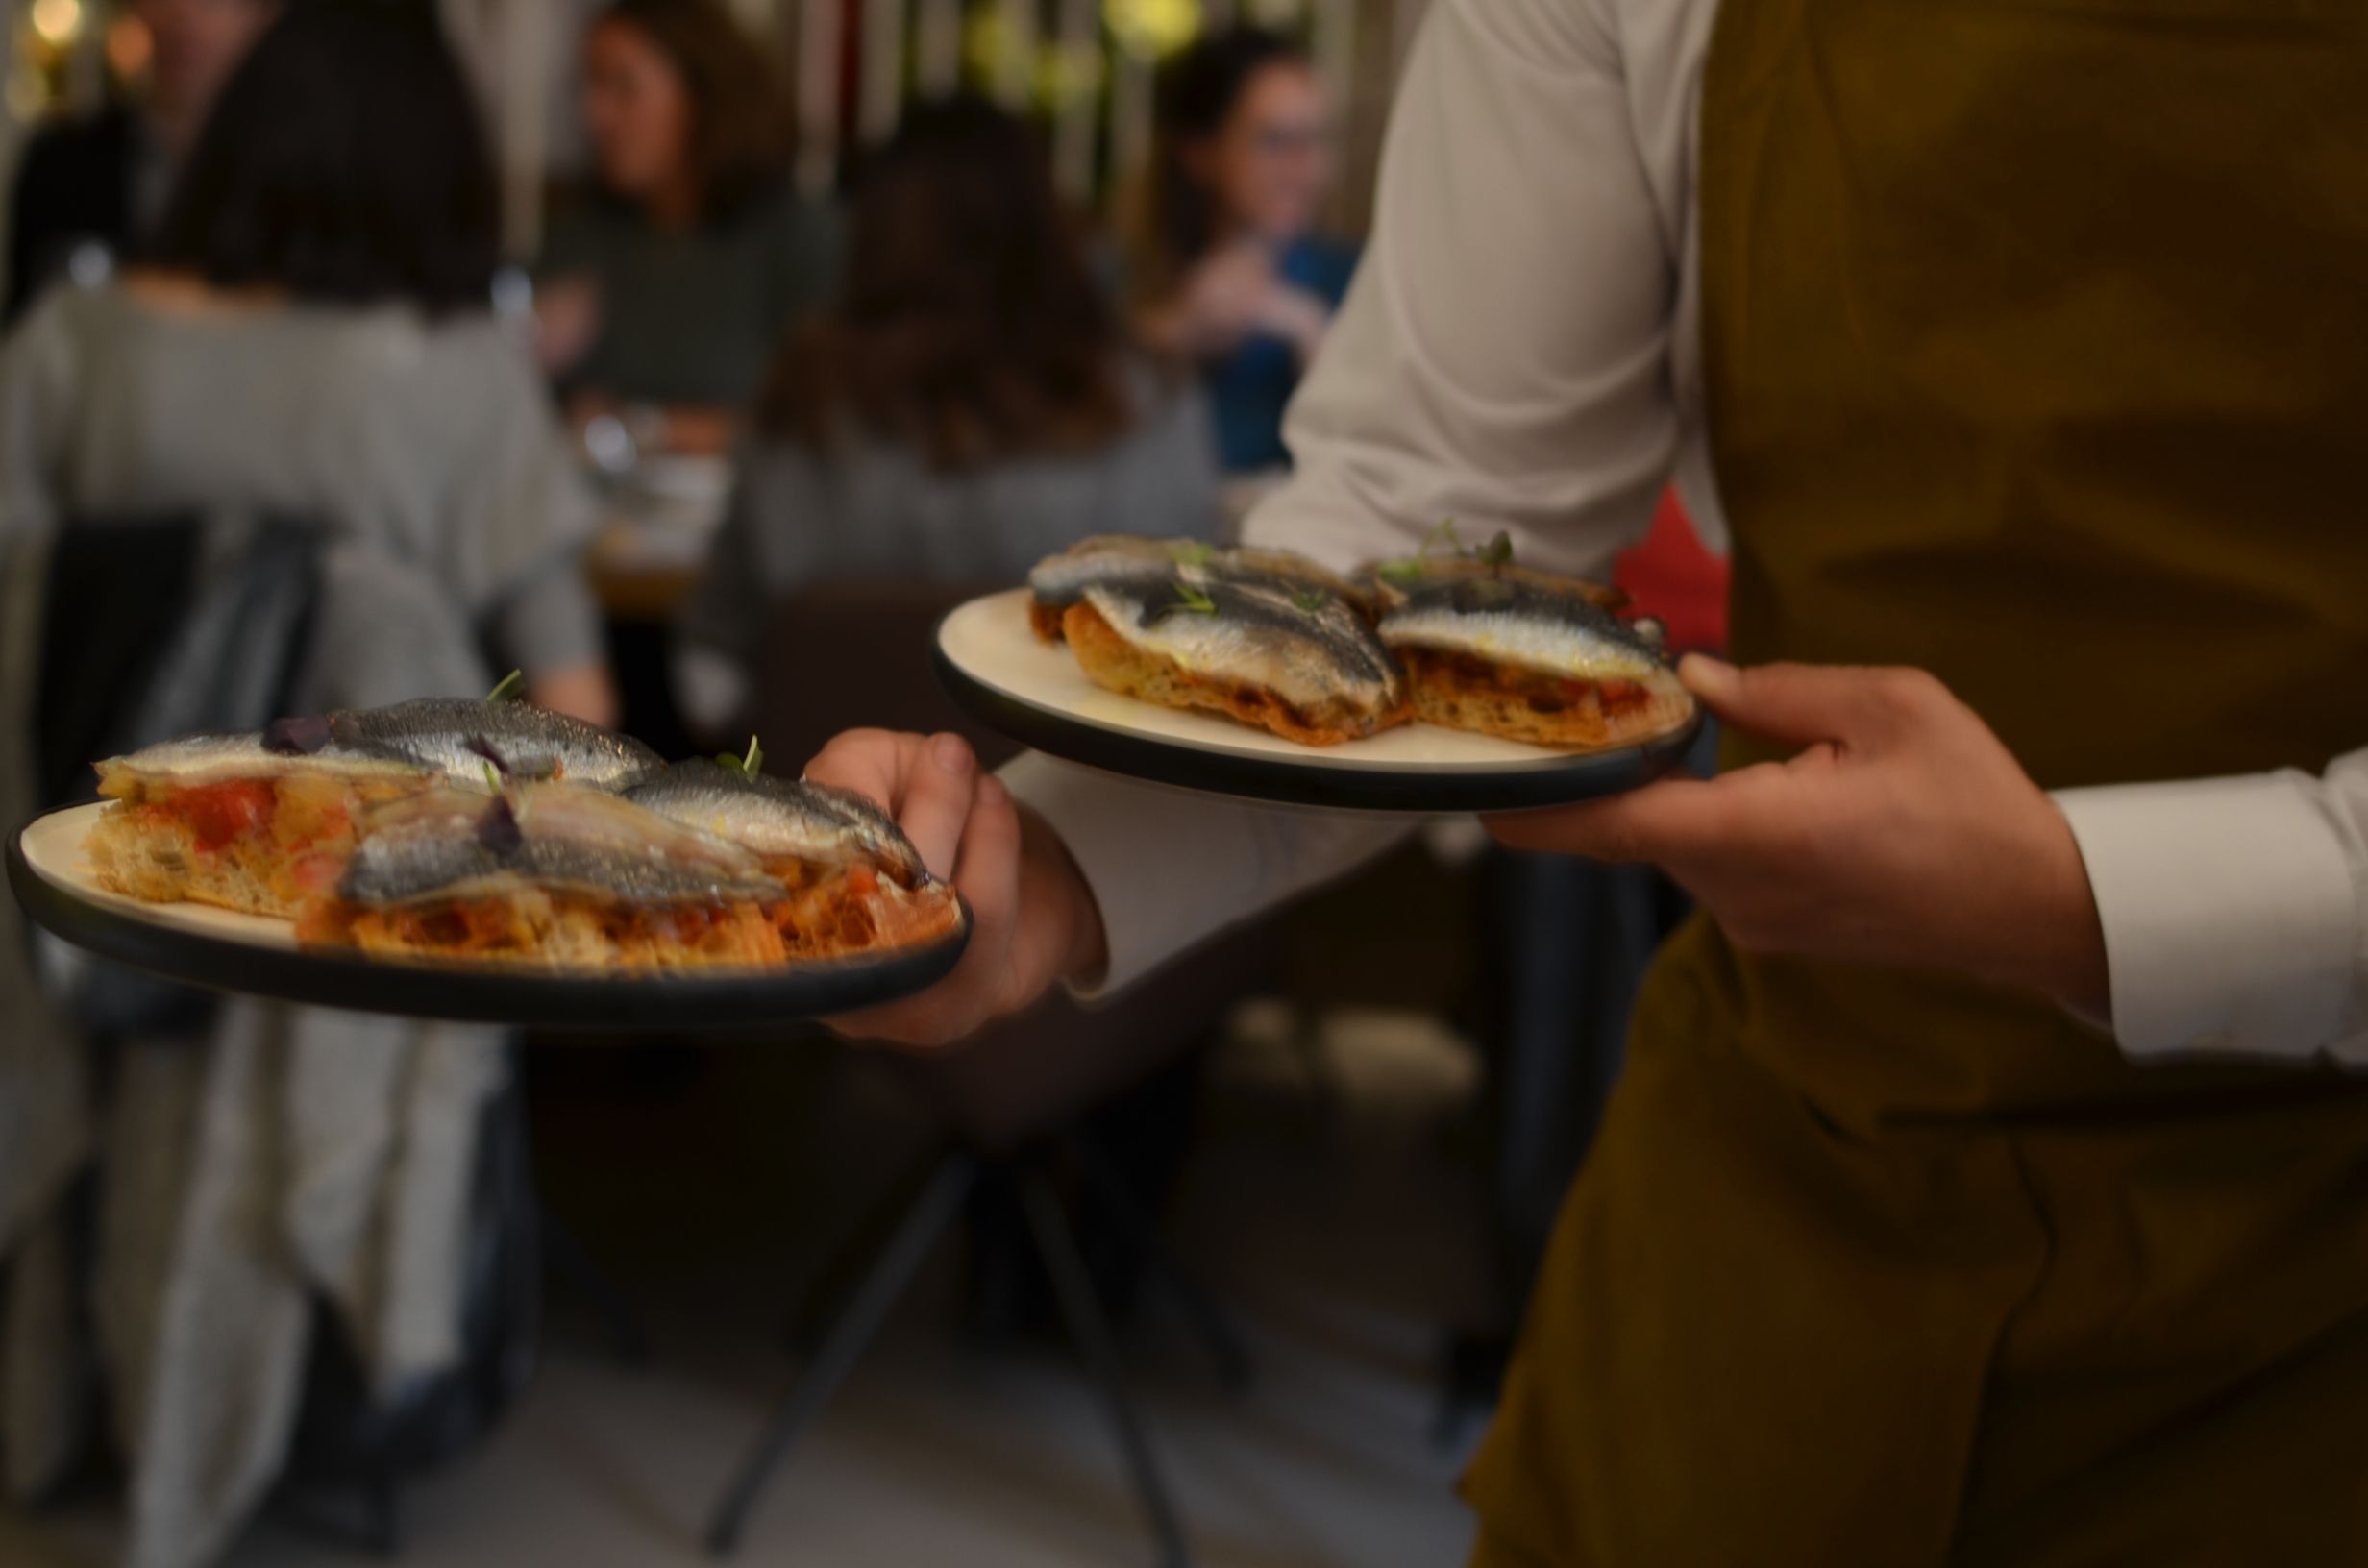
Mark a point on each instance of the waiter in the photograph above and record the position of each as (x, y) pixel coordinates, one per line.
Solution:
(1984, 1186)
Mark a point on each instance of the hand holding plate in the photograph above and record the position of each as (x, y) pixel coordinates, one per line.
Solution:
(1035, 923)
(1903, 832)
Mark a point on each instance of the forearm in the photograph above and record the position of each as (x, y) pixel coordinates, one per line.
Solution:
(550, 623)
(1502, 358)
(1168, 869)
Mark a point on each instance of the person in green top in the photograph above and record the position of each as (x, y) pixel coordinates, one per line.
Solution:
(672, 281)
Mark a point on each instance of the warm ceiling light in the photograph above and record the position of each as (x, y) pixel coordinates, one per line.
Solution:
(57, 21)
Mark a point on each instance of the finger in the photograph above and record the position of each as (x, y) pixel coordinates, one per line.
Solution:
(1800, 704)
(1660, 823)
(988, 871)
(935, 1018)
(874, 763)
(936, 803)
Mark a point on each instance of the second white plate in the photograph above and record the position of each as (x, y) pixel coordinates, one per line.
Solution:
(996, 668)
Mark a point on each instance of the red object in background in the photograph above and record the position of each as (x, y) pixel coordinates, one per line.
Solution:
(1670, 576)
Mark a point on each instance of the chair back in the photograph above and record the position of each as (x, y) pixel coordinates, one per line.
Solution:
(161, 626)
(855, 655)
(154, 628)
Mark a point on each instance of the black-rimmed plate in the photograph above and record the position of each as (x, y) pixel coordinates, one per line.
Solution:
(218, 950)
(998, 671)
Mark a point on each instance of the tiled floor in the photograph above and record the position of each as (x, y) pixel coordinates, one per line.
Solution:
(1338, 1229)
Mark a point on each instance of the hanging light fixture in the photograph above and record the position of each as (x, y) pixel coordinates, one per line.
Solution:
(1153, 29)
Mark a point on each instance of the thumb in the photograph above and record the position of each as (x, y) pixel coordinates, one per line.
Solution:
(1802, 704)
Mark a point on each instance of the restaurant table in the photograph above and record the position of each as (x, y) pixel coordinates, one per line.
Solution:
(661, 514)
(659, 522)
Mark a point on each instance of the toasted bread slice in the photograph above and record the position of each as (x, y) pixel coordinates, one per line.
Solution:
(1045, 620)
(1460, 690)
(257, 846)
(541, 928)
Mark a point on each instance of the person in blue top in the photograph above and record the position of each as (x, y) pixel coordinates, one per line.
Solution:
(1226, 267)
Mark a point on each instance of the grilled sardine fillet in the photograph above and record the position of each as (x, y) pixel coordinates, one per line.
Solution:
(858, 884)
(459, 737)
(1299, 663)
(1390, 584)
(1528, 656)
(258, 822)
(551, 874)
(1060, 581)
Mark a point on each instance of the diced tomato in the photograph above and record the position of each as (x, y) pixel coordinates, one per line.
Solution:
(1623, 694)
(218, 813)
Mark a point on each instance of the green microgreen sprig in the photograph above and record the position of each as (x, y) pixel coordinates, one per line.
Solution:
(747, 767)
(512, 687)
(1406, 570)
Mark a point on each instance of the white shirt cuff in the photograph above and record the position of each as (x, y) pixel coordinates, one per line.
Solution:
(2231, 920)
(1170, 867)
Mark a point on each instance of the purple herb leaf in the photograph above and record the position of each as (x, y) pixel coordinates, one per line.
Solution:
(295, 737)
(498, 829)
(485, 748)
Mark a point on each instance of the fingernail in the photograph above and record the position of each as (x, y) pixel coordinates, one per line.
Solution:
(1706, 676)
(951, 753)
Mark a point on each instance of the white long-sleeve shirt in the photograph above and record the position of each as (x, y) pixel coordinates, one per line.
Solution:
(1521, 350)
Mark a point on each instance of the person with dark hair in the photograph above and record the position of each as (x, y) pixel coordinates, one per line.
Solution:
(971, 404)
(310, 335)
(101, 182)
(1224, 263)
(671, 278)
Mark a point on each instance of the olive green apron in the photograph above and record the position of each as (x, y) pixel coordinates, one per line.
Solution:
(2036, 337)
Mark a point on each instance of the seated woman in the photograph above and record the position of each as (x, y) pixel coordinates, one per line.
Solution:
(665, 286)
(972, 405)
(313, 337)
(1224, 263)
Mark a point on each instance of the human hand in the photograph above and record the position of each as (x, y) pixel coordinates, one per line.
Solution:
(1033, 920)
(1226, 297)
(567, 323)
(1297, 316)
(1903, 833)
(580, 691)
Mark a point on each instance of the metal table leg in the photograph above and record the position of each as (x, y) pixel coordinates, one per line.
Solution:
(1090, 1327)
(867, 1307)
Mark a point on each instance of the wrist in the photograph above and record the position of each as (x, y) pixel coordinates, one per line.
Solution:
(2064, 954)
(1299, 318)
(1083, 950)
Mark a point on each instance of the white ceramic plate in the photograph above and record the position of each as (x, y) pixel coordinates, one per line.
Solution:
(999, 670)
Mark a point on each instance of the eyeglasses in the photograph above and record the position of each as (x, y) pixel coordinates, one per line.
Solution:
(1281, 141)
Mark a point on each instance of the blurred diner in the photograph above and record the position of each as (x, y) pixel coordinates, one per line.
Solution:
(666, 280)
(310, 336)
(1225, 265)
(971, 404)
(290, 462)
(96, 185)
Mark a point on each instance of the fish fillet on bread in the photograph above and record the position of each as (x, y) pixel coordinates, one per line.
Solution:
(1527, 655)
